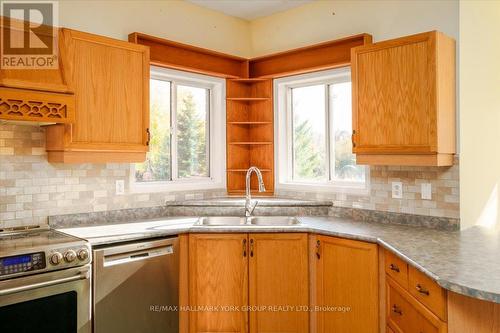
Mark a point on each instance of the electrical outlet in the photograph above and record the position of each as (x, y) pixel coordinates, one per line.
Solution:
(120, 187)
(426, 191)
(397, 190)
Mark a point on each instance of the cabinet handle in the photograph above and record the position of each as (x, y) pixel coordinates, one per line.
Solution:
(244, 247)
(422, 290)
(318, 248)
(394, 268)
(397, 310)
(149, 136)
(251, 247)
(352, 138)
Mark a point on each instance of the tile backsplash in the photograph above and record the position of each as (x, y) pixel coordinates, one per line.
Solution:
(32, 189)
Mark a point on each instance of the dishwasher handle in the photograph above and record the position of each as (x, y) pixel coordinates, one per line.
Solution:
(127, 257)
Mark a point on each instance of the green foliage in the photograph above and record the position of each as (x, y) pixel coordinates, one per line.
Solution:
(191, 138)
(309, 161)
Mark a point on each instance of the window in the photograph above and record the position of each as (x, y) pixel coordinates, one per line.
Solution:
(314, 121)
(186, 149)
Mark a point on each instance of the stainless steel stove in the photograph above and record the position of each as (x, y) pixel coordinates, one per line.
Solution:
(43, 272)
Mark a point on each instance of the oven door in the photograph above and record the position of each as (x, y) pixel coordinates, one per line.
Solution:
(48, 302)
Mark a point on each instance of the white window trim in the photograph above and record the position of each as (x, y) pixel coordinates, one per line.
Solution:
(283, 136)
(217, 143)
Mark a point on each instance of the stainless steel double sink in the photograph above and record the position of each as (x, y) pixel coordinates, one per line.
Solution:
(247, 221)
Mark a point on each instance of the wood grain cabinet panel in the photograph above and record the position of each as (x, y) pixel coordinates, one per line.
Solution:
(279, 281)
(110, 79)
(404, 101)
(218, 277)
(344, 275)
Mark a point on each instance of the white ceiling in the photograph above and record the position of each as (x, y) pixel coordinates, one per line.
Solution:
(249, 9)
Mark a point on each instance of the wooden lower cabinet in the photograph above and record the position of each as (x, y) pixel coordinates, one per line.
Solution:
(405, 314)
(279, 280)
(344, 285)
(242, 270)
(218, 277)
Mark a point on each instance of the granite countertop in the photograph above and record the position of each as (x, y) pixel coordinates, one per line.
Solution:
(466, 262)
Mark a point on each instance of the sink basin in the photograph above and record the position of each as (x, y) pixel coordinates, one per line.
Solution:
(254, 220)
(221, 220)
(274, 220)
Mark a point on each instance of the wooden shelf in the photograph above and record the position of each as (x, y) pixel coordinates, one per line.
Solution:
(249, 122)
(250, 133)
(248, 99)
(251, 143)
(245, 170)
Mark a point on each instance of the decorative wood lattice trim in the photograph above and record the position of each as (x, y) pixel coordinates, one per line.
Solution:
(36, 106)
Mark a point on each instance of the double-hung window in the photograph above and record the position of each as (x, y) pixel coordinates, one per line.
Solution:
(314, 126)
(186, 149)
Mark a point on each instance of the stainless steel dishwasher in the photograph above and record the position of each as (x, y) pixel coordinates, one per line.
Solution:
(136, 287)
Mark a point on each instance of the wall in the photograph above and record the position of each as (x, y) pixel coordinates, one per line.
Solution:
(480, 113)
(172, 19)
(314, 22)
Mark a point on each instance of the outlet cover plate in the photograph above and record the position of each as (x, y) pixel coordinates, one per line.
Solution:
(397, 190)
(426, 191)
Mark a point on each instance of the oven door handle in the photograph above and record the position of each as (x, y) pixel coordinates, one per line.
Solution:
(9, 291)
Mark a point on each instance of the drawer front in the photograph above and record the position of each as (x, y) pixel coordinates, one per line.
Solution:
(396, 268)
(428, 293)
(401, 316)
(404, 315)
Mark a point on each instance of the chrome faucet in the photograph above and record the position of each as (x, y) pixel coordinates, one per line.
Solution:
(249, 204)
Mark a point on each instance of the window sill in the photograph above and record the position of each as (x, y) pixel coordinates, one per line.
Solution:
(177, 186)
(326, 188)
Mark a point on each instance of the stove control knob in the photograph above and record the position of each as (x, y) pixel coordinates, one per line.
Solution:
(56, 258)
(70, 255)
(83, 254)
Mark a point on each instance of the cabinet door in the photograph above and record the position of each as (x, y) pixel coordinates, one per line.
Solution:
(394, 92)
(110, 79)
(218, 278)
(345, 278)
(279, 283)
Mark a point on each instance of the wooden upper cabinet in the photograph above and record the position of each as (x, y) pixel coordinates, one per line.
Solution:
(279, 279)
(218, 277)
(344, 273)
(110, 79)
(37, 95)
(404, 101)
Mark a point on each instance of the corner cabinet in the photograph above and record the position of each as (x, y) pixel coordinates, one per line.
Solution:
(110, 81)
(243, 283)
(404, 101)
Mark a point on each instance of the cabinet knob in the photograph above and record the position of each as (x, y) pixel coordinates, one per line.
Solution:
(244, 247)
(397, 310)
(394, 268)
(422, 290)
(251, 247)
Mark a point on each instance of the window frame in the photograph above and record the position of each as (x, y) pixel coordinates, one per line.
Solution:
(216, 147)
(284, 134)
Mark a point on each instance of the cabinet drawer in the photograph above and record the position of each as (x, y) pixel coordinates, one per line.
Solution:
(406, 315)
(396, 268)
(428, 292)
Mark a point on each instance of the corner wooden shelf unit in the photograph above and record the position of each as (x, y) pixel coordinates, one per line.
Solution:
(249, 132)
(249, 94)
